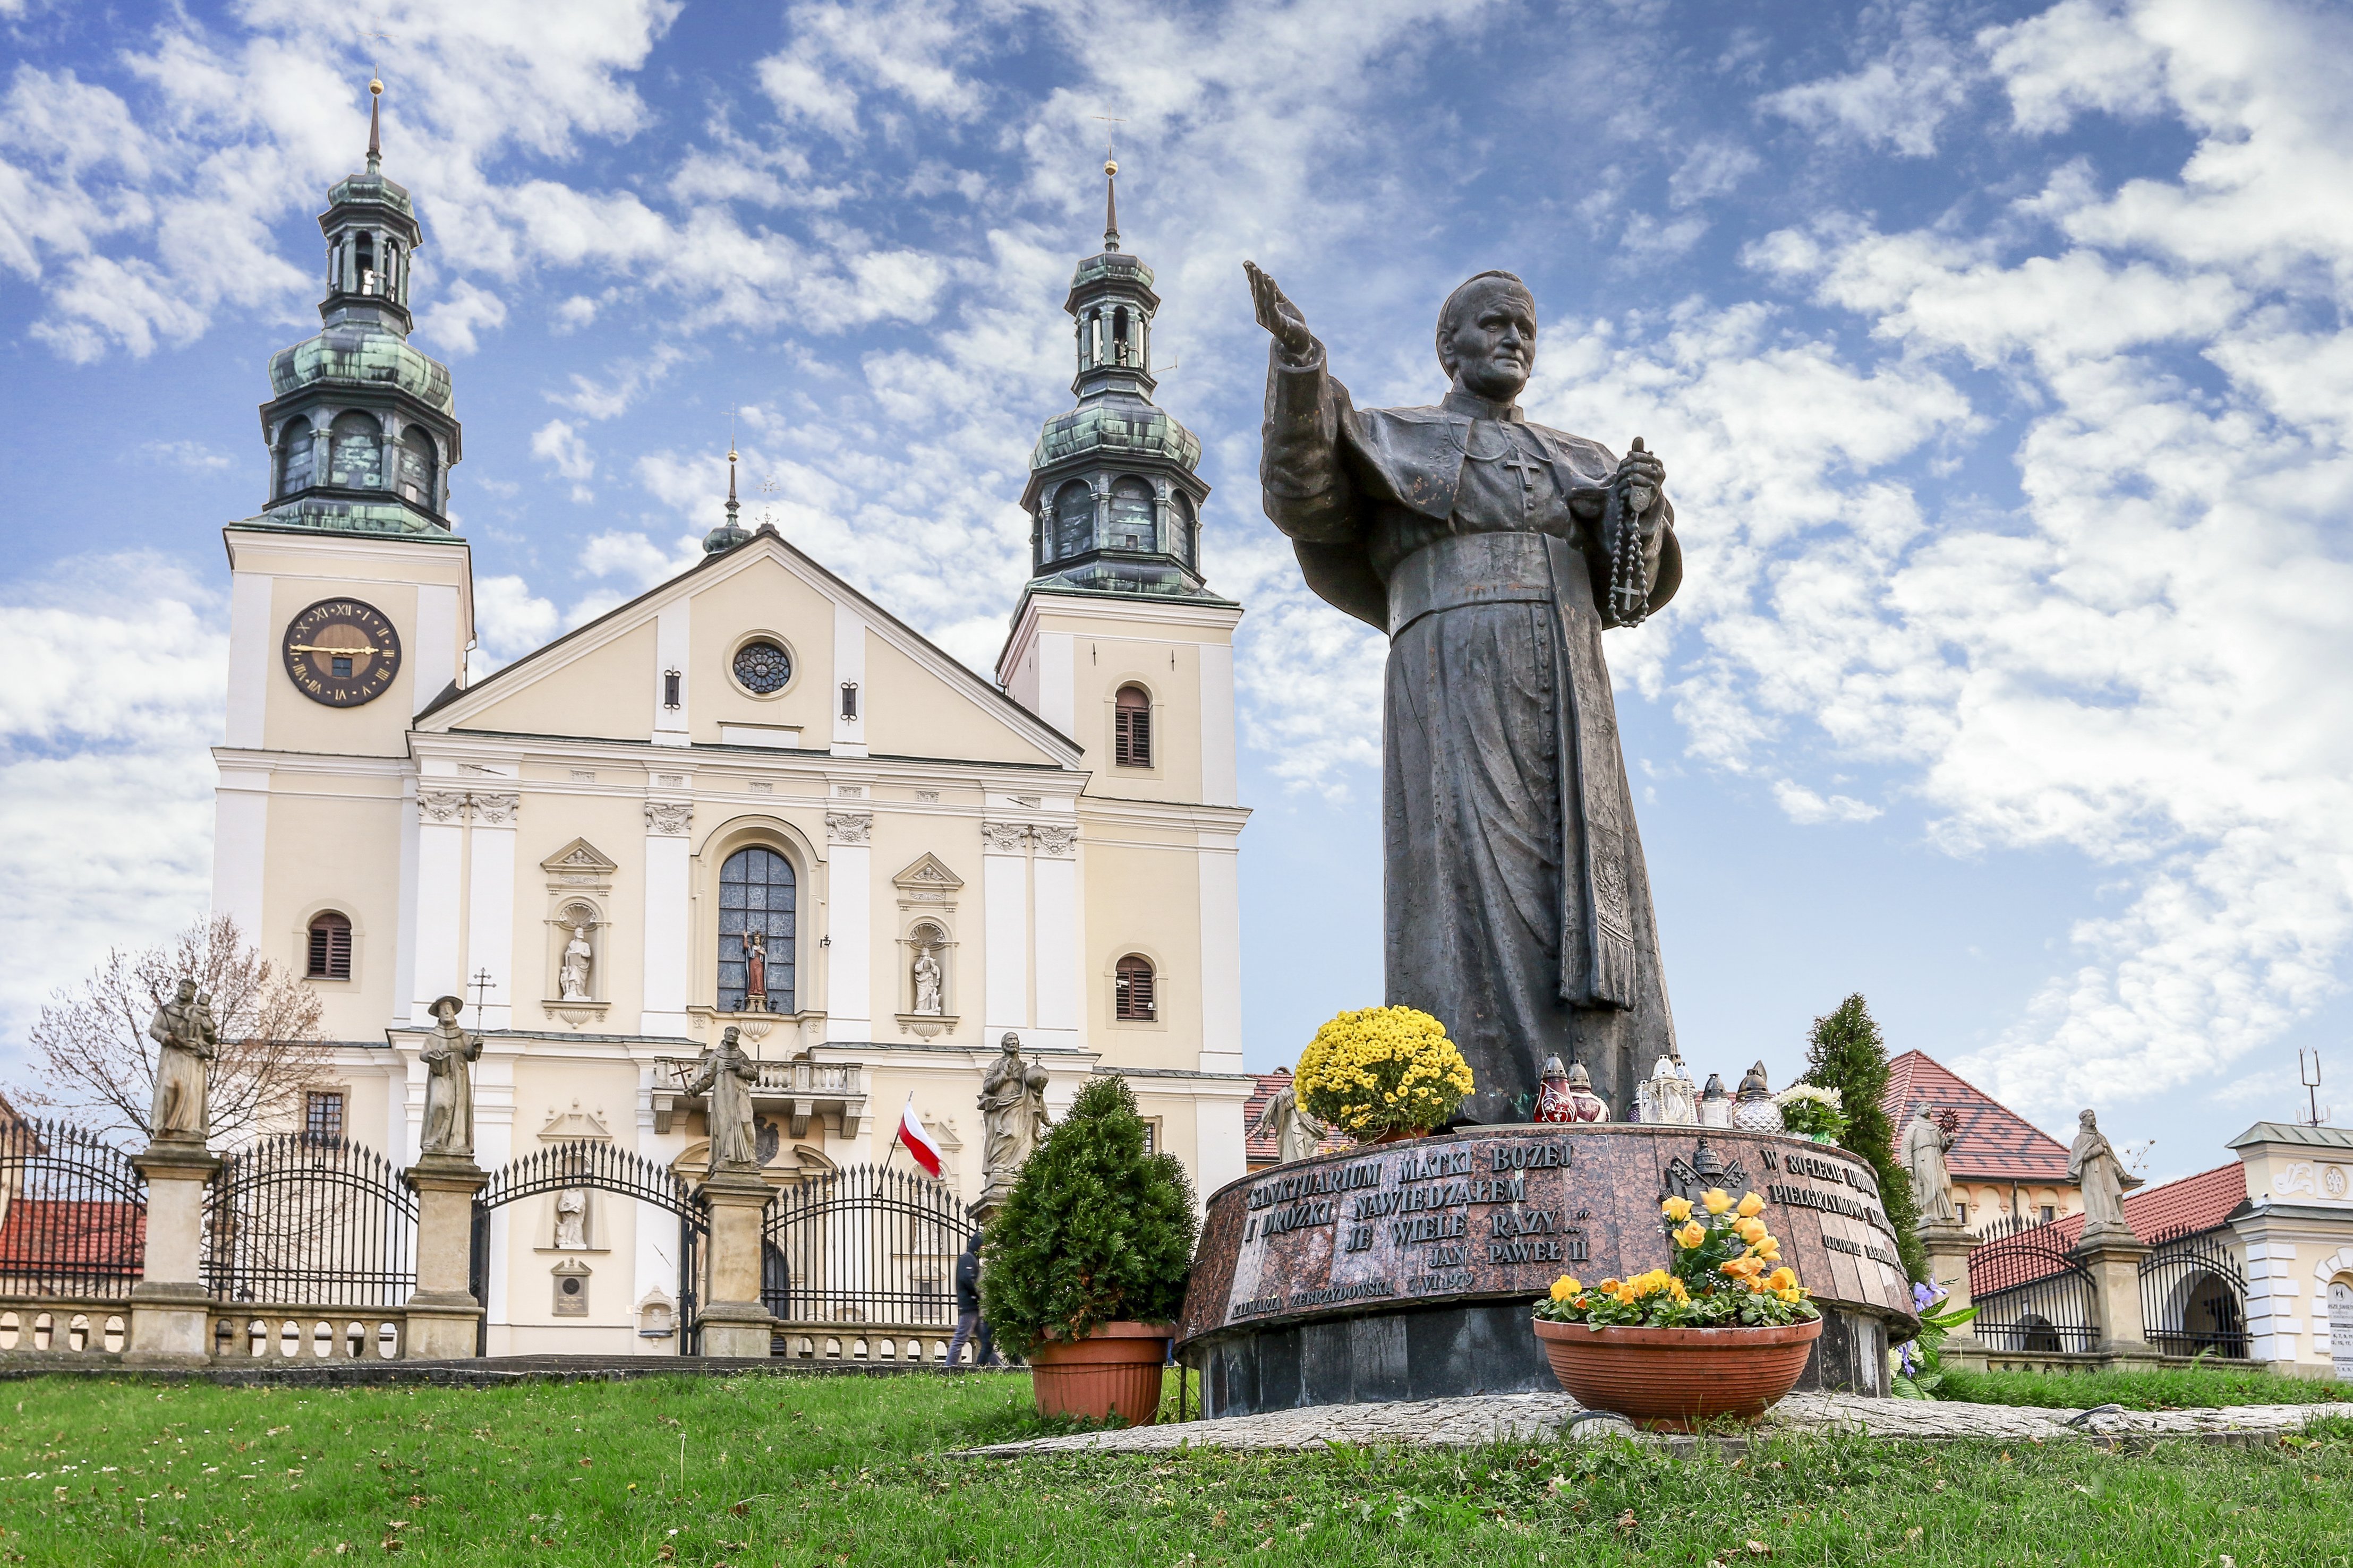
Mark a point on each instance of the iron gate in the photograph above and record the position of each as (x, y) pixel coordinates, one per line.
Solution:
(863, 1255)
(585, 1165)
(2193, 1295)
(300, 1220)
(73, 1213)
(2032, 1295)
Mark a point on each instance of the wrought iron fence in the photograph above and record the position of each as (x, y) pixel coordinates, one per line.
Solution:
(864, 1249)
(73, 1213)
(2031, 1296)
(2193, 1295)
(300, 1220)
(587, 1164)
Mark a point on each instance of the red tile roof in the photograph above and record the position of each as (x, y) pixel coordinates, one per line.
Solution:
(41, 1237)
(1259, 1148)
(2156, 1215)
(1992, 1143)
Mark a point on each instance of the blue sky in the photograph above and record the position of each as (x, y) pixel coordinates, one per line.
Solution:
(1996, 353)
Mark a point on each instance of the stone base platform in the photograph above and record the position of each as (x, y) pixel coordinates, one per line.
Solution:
(471, 1372)
(1551, 1417)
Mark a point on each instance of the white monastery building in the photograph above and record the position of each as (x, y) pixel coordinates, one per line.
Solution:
(588, 846)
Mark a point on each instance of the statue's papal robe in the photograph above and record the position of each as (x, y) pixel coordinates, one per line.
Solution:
(1517, 904)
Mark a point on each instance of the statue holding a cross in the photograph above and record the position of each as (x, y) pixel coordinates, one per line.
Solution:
(1492, 552)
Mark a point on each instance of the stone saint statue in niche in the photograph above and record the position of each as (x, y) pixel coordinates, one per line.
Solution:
(572, 1219)
(1494, 553)
(185, 1040)
(1296, 1133)
(573, 981)
(448, 1056)
(927, 982)
(728, 1077)
(1925, 1144)
(1013, 1118)
(756, 971)
(2092, 1165)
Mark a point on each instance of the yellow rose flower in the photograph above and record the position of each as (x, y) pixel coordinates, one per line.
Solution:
(1750, 1206)
(1676, 1209)
(1769, 1249)
(1691, 1234)
(1750, 1230)
(1564, 1287)
(1717, 1199)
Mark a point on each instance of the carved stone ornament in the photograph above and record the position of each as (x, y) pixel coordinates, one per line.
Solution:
(440, 804)
(669, 818)
(1052, 837)
(849, 826)
(1005, 838)
(497, 810)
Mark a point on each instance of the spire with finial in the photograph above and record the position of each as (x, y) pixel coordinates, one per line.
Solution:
(1110, 203)
(375, 128)
(731, 533)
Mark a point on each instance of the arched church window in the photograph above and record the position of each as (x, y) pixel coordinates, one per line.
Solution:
(1134, 998)
(417, 464)
(1132, 728)
(757, 905)
(295, 457)
(1074, 520)
(1119, 342)
(1188, 529)
(330, 957)
(366, 258)
(1094, 337)
(358, 452)
(1130, 515)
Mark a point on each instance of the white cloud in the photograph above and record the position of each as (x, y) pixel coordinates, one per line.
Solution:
(1898, 101)
(2080, 54)
(558, 444)
(464, 308)
(1804, 805)
(192, 456)
(508, 619)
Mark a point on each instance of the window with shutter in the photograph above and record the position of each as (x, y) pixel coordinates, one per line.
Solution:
(1133, 988)
(1132, 728)
(330, 948)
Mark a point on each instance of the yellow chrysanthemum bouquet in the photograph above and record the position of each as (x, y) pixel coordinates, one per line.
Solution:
(1382, 1069)
(1725, 1272)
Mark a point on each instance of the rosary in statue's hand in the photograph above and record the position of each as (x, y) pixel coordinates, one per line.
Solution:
(1277, 314)
(1642, 477)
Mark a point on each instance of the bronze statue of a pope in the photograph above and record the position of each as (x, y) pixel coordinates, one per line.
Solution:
(1494, 553)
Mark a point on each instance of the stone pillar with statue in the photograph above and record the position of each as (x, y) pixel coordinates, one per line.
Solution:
(2108, 1249)
(1943, 1240)
(735, 1321)
(444, 1317)
(169, 1306)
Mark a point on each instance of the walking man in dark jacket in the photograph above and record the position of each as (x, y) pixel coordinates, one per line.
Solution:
(967, 1300)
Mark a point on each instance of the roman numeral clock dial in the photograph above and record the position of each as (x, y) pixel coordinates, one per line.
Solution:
(342, 652)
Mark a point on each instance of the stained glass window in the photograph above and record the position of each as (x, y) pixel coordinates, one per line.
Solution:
(762, 666)
(757, 893)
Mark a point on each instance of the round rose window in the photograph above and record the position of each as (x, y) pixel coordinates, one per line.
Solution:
(762, 666)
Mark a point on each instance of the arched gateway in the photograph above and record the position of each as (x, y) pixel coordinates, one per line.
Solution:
(589, 1165)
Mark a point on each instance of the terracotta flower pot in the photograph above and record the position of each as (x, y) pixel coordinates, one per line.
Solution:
(1114, 1371)
(1398, 1135)
(1671, 1379)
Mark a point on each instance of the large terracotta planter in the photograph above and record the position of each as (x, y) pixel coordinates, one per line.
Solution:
(1671, 1379)
(1115, 1371)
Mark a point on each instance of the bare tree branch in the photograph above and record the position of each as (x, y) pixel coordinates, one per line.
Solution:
(92, 1058)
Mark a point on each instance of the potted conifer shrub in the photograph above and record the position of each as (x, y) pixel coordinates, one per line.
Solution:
(1087, 1261)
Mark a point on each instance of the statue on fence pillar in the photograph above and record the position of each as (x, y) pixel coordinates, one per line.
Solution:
(728, 1077)
(2093, 1166)
(1926, 1140)
(448, 1056)
(185, 1040)
(1013, 1118)
(1296, 1133)
(1494, 553)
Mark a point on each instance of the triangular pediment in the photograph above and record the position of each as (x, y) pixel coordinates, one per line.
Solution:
(579, 856)
(572, 1126)
(608, 680)
(929, 873)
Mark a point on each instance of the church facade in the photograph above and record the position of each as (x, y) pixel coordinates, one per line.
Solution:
(752, 797)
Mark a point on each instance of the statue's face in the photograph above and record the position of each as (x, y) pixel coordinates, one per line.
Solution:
(187, 990)
(1492, 350)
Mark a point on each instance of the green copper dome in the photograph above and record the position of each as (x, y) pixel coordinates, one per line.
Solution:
(1116, 429)
(360, 353)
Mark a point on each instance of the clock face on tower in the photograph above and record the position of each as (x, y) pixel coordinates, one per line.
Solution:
(342, 652)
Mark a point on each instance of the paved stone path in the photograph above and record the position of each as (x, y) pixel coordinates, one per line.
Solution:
(1542, 1417)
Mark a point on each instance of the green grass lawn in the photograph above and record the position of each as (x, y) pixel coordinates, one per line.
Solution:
(762, 1471)
(2205, 1386)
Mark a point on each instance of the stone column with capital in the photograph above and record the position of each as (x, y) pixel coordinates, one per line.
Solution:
(2114, 1255)
(1947, 1245)
(733, 1321)
(444, 1318)
(171, 1311)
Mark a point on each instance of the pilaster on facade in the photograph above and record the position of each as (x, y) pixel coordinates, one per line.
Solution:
(669, 905)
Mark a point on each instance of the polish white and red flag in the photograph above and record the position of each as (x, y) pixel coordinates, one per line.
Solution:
(918, 1141)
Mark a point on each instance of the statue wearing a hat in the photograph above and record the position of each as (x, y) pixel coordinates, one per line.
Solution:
(448, 1056)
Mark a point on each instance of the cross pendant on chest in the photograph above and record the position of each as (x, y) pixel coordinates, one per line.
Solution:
(1521, 463)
